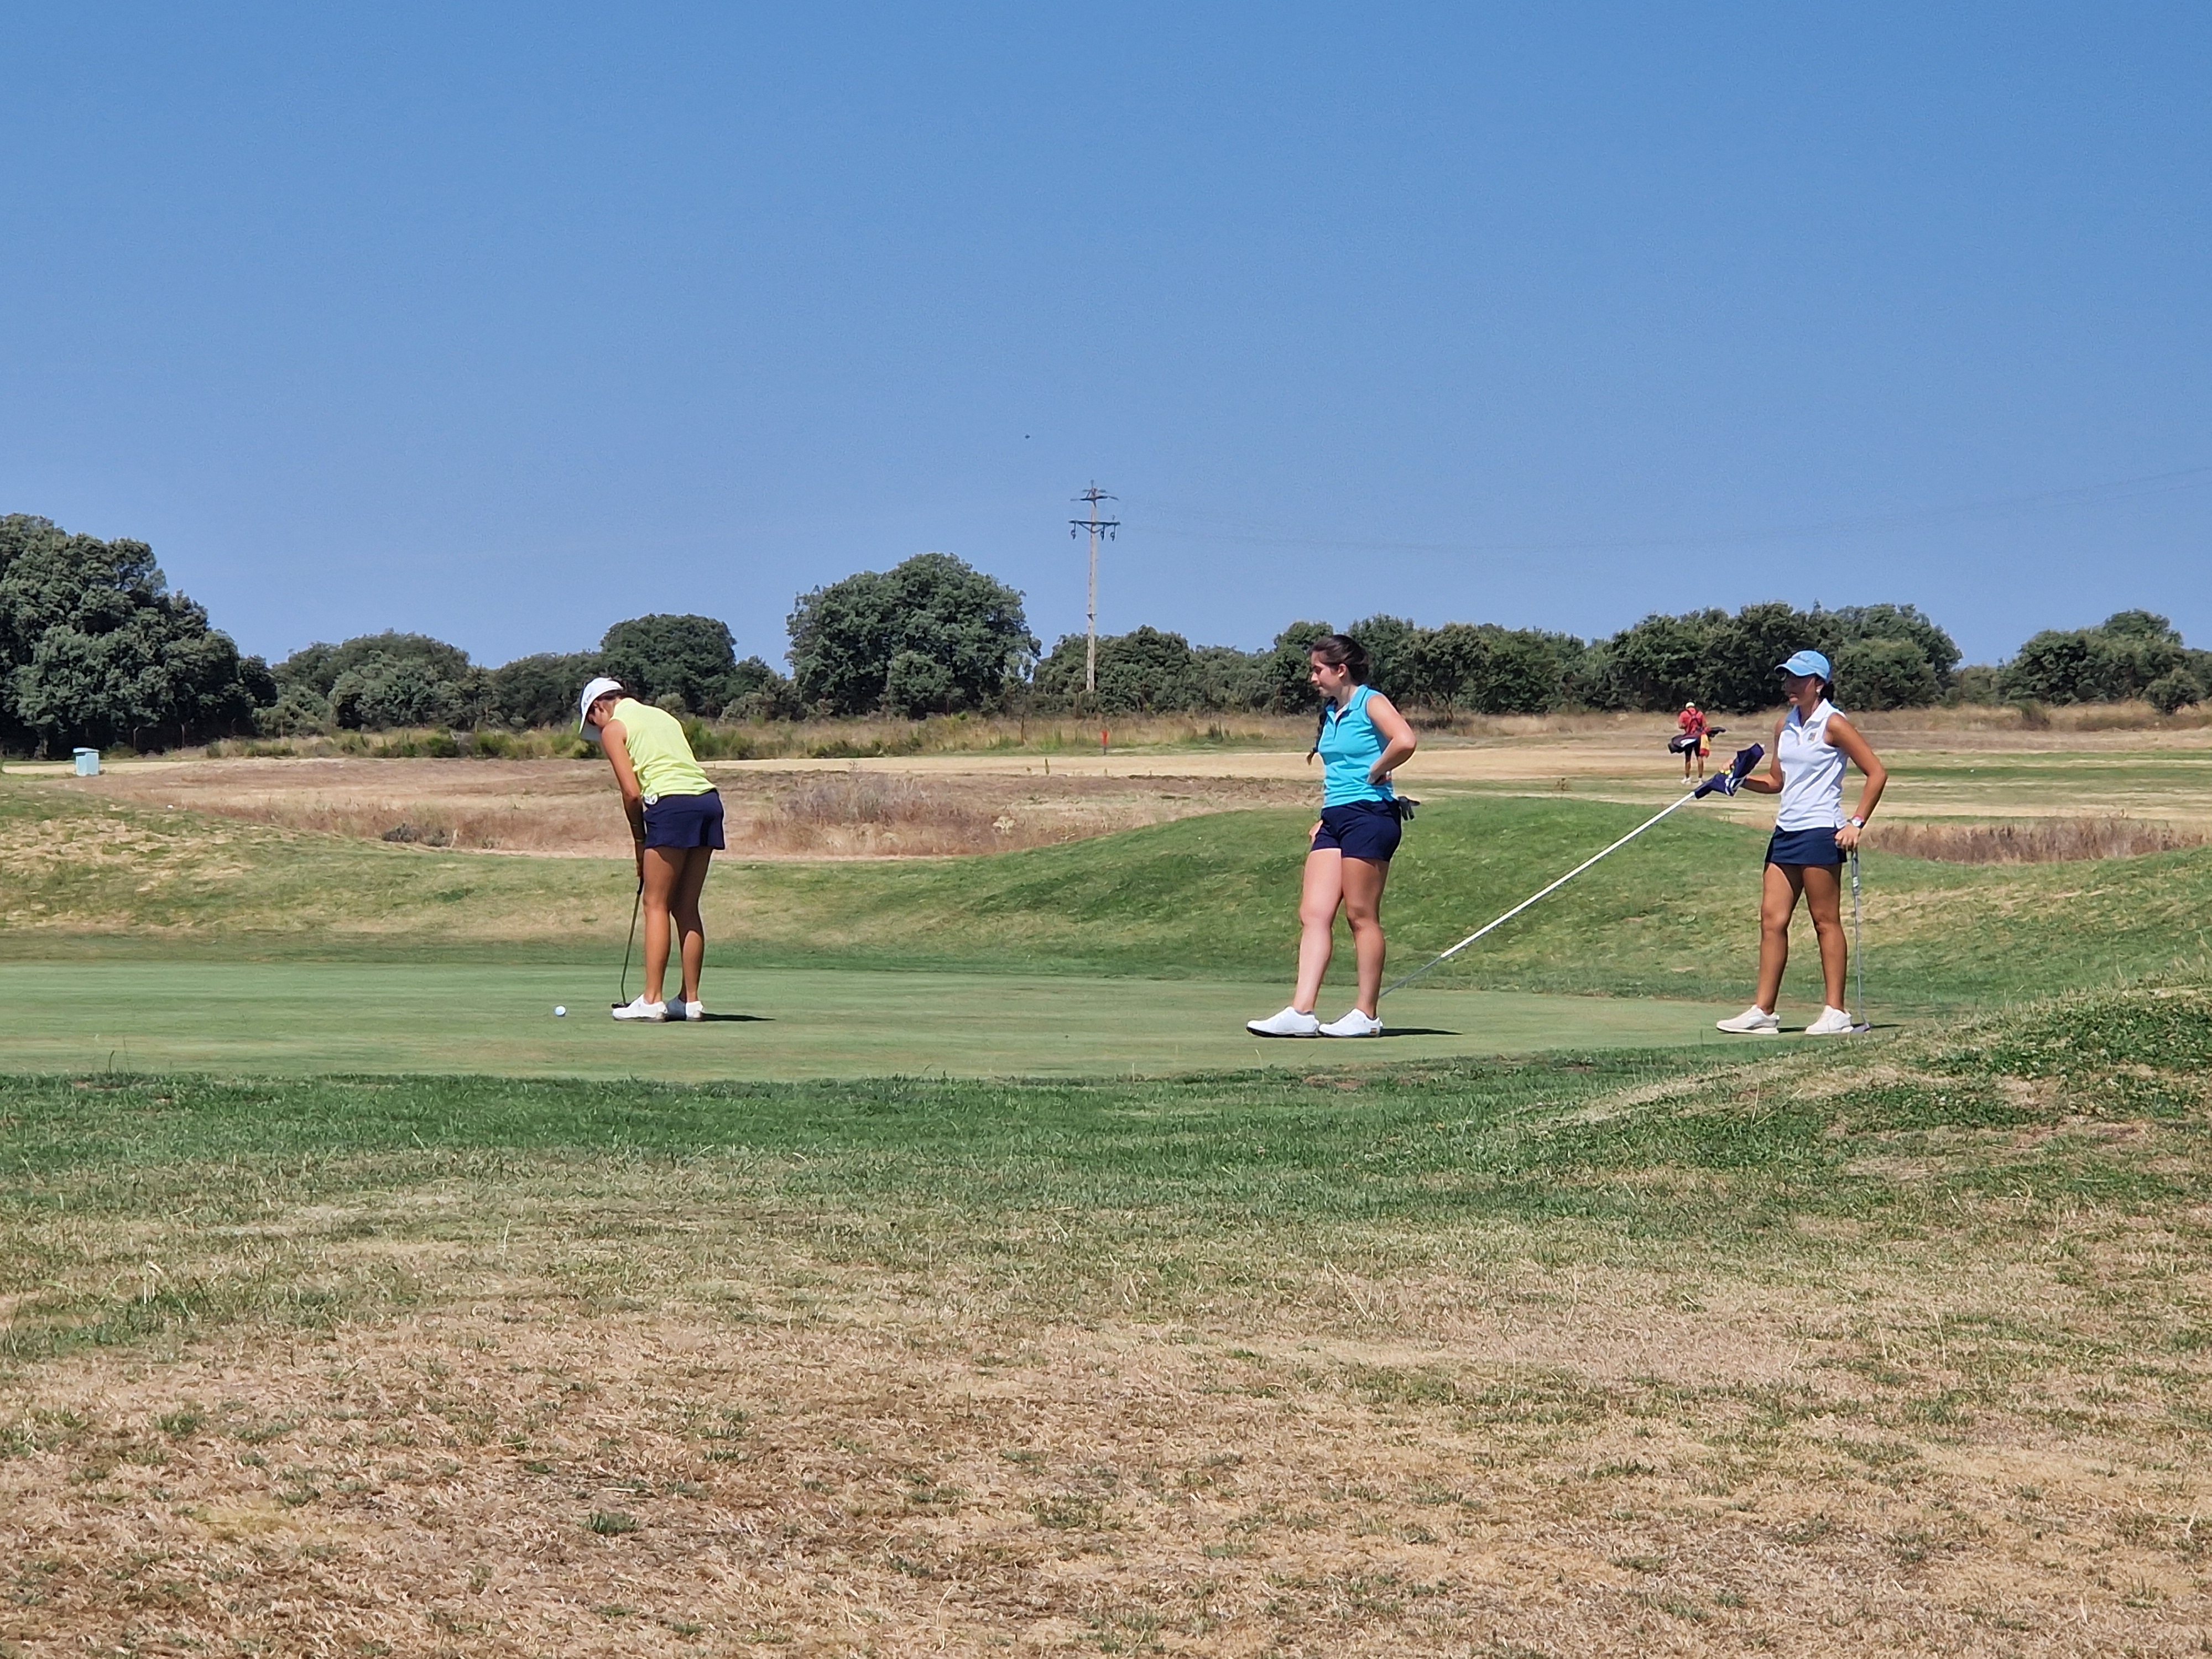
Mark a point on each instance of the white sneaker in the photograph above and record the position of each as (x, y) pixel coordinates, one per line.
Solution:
(695, 1010)
(641, 1009)
(1289, 1023)
(1354, 1023)
(1754, 1020)
(1832, 1022)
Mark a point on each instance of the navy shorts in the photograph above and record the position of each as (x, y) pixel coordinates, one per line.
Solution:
(684, 821)
(1360, 829)
(1804, 846)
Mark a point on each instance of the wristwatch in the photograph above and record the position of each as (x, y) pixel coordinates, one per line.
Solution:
(1855, 823)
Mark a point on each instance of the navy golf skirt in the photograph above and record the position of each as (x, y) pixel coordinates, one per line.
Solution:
(1360, 829)
(1804, 846)
(682, 821)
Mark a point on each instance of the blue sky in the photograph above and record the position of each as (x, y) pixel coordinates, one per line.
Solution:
(504, 323)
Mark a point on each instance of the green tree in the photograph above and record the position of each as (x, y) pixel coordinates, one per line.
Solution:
(1729, 662)
(1891, 622)
(657, 657)
(2170, 693)
(1392, 646)
(1445, 663)
(1142, 671)
(846, 637)
(540, 690)
(1290, 667)
(95, 648)
(1229, 678)
(375, 681)
(1880, 673)
(320, 665)
(2120, 658)
(1523, 672)
(754, 690)
(1663, 662)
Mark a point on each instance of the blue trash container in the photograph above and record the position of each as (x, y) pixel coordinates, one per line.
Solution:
(88, 763)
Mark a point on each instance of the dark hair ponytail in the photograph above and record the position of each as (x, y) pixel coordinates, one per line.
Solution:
(1338, 651)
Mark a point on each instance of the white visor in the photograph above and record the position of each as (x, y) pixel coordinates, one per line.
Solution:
(592, 692)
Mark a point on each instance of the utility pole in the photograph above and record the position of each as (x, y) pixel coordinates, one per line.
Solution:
(1094, 524)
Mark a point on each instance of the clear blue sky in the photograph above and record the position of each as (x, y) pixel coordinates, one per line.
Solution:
(504, 323)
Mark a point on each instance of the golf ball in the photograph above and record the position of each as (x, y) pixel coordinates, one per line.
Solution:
(559, 1012)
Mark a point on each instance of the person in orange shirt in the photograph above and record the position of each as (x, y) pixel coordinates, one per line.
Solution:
(1696, 741)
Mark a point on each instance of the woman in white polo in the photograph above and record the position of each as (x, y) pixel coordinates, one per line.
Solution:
(1811, 838)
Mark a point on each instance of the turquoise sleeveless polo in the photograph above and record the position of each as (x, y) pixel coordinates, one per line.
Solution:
(1350, 747)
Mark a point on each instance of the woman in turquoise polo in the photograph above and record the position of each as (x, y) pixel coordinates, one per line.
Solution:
(1361, 740)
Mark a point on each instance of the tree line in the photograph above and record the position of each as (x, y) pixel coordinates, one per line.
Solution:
(96, 649)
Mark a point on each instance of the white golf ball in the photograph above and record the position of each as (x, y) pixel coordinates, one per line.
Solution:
(560, 1013)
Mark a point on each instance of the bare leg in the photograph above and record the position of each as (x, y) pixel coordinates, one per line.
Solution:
(1777, 901)
(663, 869)
(684, 905)
(1824, 899)
(1317, 901)
(1362, 908)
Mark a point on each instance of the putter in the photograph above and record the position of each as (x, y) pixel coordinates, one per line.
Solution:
(635, 905)
(1725, 783)
(1858, 951)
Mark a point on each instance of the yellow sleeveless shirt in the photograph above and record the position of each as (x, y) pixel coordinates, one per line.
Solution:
(659, 753)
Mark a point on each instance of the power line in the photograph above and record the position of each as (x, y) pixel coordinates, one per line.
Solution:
(1094, 524)
(1217, 527)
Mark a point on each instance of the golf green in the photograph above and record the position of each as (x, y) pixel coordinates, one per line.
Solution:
(305, 1018)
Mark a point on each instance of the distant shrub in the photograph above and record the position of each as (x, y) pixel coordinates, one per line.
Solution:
(2172, 692)
(540, 690)
(660, 658)
(1974, 683)
(932, 632)
(2120, 658)
(1885, 674)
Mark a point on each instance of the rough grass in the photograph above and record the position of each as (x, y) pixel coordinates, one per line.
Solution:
(2045, 841)
(1902, 1345)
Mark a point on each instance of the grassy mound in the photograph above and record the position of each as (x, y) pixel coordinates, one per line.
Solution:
(1671, 915)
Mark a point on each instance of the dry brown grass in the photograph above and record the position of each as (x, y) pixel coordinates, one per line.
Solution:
(569, 807)
(1567, 1464)
(2045, 841)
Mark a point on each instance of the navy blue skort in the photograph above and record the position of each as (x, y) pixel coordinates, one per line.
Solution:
(1360, 829)
(682, 821)
(1804, 846)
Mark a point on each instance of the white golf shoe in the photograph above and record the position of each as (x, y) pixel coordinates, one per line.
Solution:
(1289, 1023)
(641, 1009)
(1754, 1022)
(1832, 1022)
(693, 1010)
(1354, 1023)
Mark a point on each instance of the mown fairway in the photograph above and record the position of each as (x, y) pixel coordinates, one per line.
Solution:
(318, 1018)
(350, 1303)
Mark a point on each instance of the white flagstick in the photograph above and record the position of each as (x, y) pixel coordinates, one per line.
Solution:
(1858, 951)
(1526, 903)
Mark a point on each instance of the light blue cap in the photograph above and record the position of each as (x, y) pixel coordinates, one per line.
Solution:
(1808, 662)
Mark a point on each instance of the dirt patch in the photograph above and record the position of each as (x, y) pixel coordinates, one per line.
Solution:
(570, 808)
